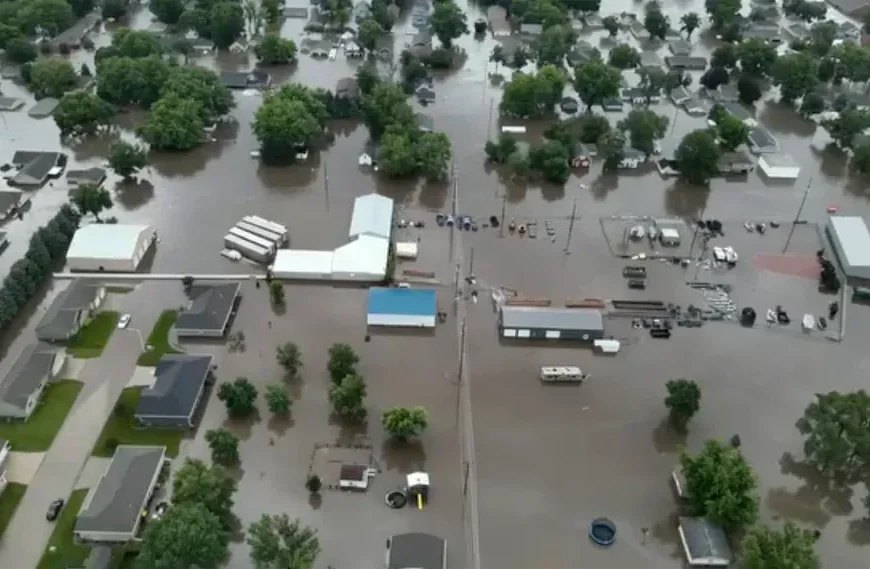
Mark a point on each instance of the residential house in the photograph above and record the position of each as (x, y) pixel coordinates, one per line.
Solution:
(582, 52)
(10, 104)
(347, 88)
(93, 175)
(210, 311)
(71, 310)
(11, 200)
(352, 49)
(173, 399)
(612, 105)
(421, 43)
(301, 13)
(680, 96)
(240, 46)
(725, 94)
(637, 96)
(34, 168)
(767, 32)
(425, 94)
(857, 9)
(593, 21)
(384, 47)
(695, 106)
(632, 158)
(497, 18)
(762, 142)
(369, 155)
(731, 163)
(686, 62)
(22, 386)
(638, 31)
(740, 112)
(583, 154)
(680, 47)
(73, 36)
(529, 29)
(115, 508)
(673, 35)
(848, 31)
(203, 46)
(424, 122)
(256, 79)
(797, 33)
(650, 60)
(43, 108)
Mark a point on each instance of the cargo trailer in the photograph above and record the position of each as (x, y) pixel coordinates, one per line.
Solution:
(248, 249)
(269, 225)
(251, 238)
(276, 238)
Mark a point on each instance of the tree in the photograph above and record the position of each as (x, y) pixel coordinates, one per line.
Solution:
(748, 90)
(835, 431)
(723, 13)
(275, 50)
(690, 22)
(20, 50)
(226, 24)
(756, 56)
(82, 113)
(732, 132)
(167, 11)
(272, 10)
(52, 77)
(239, 397)
(186, 535)
(367, 78)
(369, 33)
(724, 56)
(131, 81)
(224, 446)
(290, 358)
(551, 159)
(611, 147)
(313, 484)
(652, 81)
(644, 128)
(611, 24)
(50, 17)
(499, 151)
(720, 485)
(196, 483)
(396, 153)
(278, 543)
(553, 44)
(822, 36)
(8, 33)
(860, 161)
(519, 59)
(796, 74)
(697, 157)
(532, 95)
(277, 399)
(174, 123)
(347, 397)
(714, 77)
(342, 362)
(403, 423)
(847, 126)
(276, 293)
(683, 401)
(812, 104)
(448, 22)
(766, 548)
(433, 154)
(592, 128)
(90, 198)
(588, 6)
(624, 57)
(131, 43)
(655, 22)
(288, 119)
(126, 159)
(200, 85)
(596, 81)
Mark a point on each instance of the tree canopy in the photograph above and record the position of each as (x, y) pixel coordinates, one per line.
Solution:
(239, 396)
(732, 132)
(52, 77)
(405, 422)
(126, 159)
(697, 157)
(767, 548)
(595, 81)
(275, 50)
(533, 95)
(203, 87)
(655, 22)
(347, 397)
(683, 401)
(277, 542)
(224, 446)
(290, 118)
(186, 535)
(835, 428)
(126, 81)
(213, 487)
(448, 22)
(756, 56)
(277, 399)
(796, 74)
(289, 358)
(644, 128)
(82, 113)
(90, 198)
(226, 23)
(624, 56)
(173, 124)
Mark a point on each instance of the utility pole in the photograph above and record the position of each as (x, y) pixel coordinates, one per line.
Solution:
(461, 354)
(571, 227)
(455, 189)
(326, 181)
(489, 122)
(503, 205)
(471, 264)
(797, 215)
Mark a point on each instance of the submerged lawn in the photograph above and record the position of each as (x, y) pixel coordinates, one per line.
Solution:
(158, 340)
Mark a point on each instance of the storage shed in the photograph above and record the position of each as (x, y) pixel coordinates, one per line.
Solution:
(363, 259)
(407, 250)
(303, 265)
(704, 543)
(779, 167)
(109, 247)
(551, 323)
(405, 307)
(850, 241)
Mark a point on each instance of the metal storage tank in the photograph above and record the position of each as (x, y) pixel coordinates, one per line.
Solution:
(268, 225)
(251, 238)
(275, 238)
(248, 249)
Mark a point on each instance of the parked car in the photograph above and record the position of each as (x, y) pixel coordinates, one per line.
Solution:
(124, 321)
(54, 510)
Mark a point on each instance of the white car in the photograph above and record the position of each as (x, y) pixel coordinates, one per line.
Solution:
(124, 321)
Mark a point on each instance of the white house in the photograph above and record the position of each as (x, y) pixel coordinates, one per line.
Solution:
(108, 247)
(22, 386)
(5, 447)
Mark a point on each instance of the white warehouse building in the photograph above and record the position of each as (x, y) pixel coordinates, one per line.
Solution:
(363, 259)
(112, 248)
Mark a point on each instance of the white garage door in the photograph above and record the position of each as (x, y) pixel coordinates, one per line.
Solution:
(523, 333)
(509, 333)
(553, 334)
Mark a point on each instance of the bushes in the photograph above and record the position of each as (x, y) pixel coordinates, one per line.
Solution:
(47, 246)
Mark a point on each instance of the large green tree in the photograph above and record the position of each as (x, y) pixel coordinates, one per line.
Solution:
(756, 56)
(127, 81)
(697, 157)
(196, 483)
(173, 124)
(347, 397)
(20, 50)
(280, 543)
(49, 16)
(624, 56)
(289, 358)
(224, 446)
(553, 45)
(275, 50)
(433, 154)
(596, 81)
(203, 86)
(277, 399)
(82, 113)
(847, 126)
(187, 535)
(644, 128)
(796, 74)
(655, 22)
(404, 423)
(723, 13)
(397, 157)
(386, 105)
(167, 11)
(721, 486)
(732, 132)
(682, 401)
(125, 159)
(52, 77)
(342, 361)
(131, 43)
(835, 427)
(789, 547)
(90, 198)
(532, 95)
(448, 22)
(239, 397)
(289, 118)
(227, 22)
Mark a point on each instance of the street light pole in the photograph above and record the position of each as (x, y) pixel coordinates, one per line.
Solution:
(571, 228)
(797, 215)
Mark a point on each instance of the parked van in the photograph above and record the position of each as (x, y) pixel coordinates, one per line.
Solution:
(562, 374)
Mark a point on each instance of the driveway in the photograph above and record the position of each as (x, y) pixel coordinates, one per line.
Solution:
(22, 466)
(104, 378)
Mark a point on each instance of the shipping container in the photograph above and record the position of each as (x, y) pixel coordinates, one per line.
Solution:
(275, 238)
(247, 249)
(269, 225)
(255, 239)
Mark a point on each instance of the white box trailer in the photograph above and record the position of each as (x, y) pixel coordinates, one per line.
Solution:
(563, 374)
(247, 249)
(276, 238)
(251, 238)
(269, 225)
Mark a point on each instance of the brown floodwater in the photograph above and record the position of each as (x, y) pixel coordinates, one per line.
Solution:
(547, 461)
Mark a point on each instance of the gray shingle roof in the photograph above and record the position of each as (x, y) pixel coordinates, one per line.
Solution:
(31, 367)
(416, 551)
(9, 198)
(210, 308)
(551, 318)
(35, 166)
(45, 107)
(179, 379)
(115, 505)
(88, 175)
(60, 320)
(704, 540)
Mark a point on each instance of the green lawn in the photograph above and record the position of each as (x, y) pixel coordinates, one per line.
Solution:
(9, 500)
(158, 339)
(122, 430)
(90, 340)
(123, 559)
(37, 433)
(66, 553)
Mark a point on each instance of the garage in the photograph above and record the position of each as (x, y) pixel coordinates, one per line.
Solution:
(536, 323)
(401, 307)
(779, 167)
(113, 248)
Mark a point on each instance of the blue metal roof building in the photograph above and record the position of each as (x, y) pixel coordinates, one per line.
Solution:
(409, 307)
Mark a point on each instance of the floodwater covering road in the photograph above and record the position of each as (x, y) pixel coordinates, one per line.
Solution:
(547, 461)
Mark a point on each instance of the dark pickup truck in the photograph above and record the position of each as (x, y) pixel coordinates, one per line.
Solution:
(634, 272)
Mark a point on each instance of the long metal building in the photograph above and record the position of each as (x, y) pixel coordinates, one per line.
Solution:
(249, 250)
(850, 241)
(268, 225)
(538, 323)
(251, 238)
(276, 239)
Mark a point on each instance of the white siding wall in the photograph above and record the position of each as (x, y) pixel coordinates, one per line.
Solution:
(403, 320)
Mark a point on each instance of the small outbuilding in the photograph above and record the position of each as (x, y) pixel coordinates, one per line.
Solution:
(407, 250)
(114, 248)
(850, 241)
(416, 551)
(403, 307)
(551, 323)
(704, 543)
(779, 167)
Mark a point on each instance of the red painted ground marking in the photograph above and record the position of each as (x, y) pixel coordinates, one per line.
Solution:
(806, 266)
